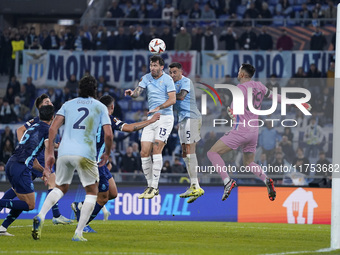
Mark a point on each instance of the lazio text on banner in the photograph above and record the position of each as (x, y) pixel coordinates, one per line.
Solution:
(119, 68)
(217, 64)
(292, 205)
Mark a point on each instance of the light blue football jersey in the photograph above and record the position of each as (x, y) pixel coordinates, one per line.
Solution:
(188, 107)
(157, 91)
(83, 116)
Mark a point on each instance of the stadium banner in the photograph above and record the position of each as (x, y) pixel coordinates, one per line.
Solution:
(166, 206)
(119, 68)
(292, 205)
(217, 64)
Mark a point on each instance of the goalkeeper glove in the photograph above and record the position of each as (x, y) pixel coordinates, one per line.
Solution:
(231, 114)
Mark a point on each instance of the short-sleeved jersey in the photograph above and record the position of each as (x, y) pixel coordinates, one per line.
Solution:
(157, 91)
(31, 144)
(41, 155)
(116, 124)
(258, 91)
(186, 108)
(82, 119)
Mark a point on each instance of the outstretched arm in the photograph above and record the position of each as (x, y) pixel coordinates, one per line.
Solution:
(139, 125)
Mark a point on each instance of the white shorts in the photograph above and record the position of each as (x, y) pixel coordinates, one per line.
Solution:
(86, 168)
(189, 130)
(159, 130)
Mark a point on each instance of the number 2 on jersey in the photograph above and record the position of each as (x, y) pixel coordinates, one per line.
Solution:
(86, 113)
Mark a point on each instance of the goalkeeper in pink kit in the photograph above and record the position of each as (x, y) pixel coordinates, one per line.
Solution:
(243, 135)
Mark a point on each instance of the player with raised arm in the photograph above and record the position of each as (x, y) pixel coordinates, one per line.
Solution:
(19, 166)
(161, 94)
(82, 117)
(243, 135)
(190, 122)
(107, 185)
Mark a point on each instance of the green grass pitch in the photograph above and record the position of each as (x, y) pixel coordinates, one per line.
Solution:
(169, 237)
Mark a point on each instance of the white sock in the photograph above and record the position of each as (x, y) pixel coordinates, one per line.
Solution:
(85, 213)
(52, 198)
(191, 163)
(2, 228)
(226, 180)
(147, 169)
(156, 169)
(104, 209)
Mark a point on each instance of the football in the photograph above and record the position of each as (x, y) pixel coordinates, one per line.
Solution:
(157, 46)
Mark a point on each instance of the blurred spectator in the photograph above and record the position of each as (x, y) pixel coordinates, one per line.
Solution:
(30, 87)
(5, 52)
(251, 12)
(55, 97)
(301, 120)
(115, 158)
(116, 11)
(265, 14)
(14, 84)
(208, 14)
(7, 114)
(196, 38)
(129, 164)
(321, 101)
(185, 6)
(330, 12)
(10, 96)
(130, 38)
(8, 134)
(287, 131)
(25, 98)
(110, 40)
(304, 14)
(152, 35)
(142, 14)
(72, 85)
(81, 43)
(168, 38)
(263, 160)
(268, 139)
(2, 172)
(284, 7)
(140, 39)
(166, 169)
(136, 153)
(68, 37)
(316, 82)
(52, 42)
(17, 46)
(88, 34)
(265, 40)
(300, 73)
(20, 110)
(7, 150)
(230, 38)
(209, 40)
(273, 83)
(313, 138)
(331, 75)
(100, 39)
(167, 12)
(35, 45)
(322, 173)
(130, 13)
(248, 40)
(155, 13)
(333, 40)
(287, 148)
(31, 37)
(284, 42)
(120, 40)
(195, 12)
(318, 40)
(183, 40)
(177, 168)
(301, 162)
(109, 21)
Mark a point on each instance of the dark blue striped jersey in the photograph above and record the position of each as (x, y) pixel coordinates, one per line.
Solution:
(31, 144)
(116, 124)
(41, 155)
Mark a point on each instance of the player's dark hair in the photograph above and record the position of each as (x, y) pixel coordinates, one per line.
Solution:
(46, 112)
(39, 100)
(156, 58)
(87, 86)
(106, 100)
(248, 68)
(175, 64)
